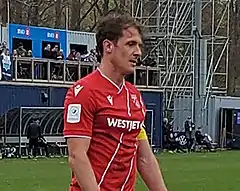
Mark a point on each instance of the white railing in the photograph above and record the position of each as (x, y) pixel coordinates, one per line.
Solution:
(47, 71)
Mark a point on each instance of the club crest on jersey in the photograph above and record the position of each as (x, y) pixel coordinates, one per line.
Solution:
(135, 100)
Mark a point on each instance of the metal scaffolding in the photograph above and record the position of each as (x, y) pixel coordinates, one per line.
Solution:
(174, 29)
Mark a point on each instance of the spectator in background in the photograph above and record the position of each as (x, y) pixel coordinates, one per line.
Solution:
(72, 55)
(7, 53)
(46, 54)
(92, 56)
(78, 56)
(60, 55)
(56, 67)
(189, 127)
(3, 46)
(6, 64)
(15, 53)
(21, 51)
(84, 56)
(54, 52)
(89, 56)
(36, 139)
(29, 54)
(47, 51)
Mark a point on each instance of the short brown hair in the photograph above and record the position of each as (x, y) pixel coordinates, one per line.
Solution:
(111, 27)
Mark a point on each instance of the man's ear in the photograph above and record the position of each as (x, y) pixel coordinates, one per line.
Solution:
(108, 46)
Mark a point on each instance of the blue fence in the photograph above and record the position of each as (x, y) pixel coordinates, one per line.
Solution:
(37, 35)
(29, 96)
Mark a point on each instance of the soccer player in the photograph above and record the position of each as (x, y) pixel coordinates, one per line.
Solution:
(104, 117)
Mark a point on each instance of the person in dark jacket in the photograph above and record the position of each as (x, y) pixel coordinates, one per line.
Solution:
(189, 129)
(36, 139)
(200, 139)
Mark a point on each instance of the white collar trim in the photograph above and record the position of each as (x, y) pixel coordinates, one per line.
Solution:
(113, 83)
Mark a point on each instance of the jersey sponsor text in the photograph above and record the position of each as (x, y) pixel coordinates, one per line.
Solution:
(125, 124)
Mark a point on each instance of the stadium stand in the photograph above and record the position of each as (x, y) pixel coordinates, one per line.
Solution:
(66, 72)
(52, 67)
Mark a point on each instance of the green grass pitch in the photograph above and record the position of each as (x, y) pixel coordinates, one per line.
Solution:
(183, 172)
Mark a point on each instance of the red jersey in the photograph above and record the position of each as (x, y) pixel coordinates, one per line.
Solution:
(111, 117)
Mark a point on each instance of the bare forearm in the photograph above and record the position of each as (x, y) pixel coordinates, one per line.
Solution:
(83, 171)
(151, 174)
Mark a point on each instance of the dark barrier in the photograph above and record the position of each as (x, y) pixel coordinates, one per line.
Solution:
(18, 119)
(15, 122)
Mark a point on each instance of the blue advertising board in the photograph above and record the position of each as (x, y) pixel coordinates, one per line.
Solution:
(37, 35)
(15, 96)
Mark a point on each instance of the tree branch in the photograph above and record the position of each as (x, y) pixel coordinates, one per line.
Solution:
(88, 11)
(46, 8)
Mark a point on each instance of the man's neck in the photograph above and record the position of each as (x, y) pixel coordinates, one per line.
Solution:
(111, 72)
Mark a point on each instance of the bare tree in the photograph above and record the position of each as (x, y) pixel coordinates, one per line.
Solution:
(83, 14)
(3, 11)
(58, 12)
(234, 69)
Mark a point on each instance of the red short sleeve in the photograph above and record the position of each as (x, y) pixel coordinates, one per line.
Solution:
(78, 112)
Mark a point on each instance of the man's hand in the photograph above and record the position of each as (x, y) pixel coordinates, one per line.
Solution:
(148, 167)
(80, 164)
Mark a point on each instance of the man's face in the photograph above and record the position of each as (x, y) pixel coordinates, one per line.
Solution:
(127, 50)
